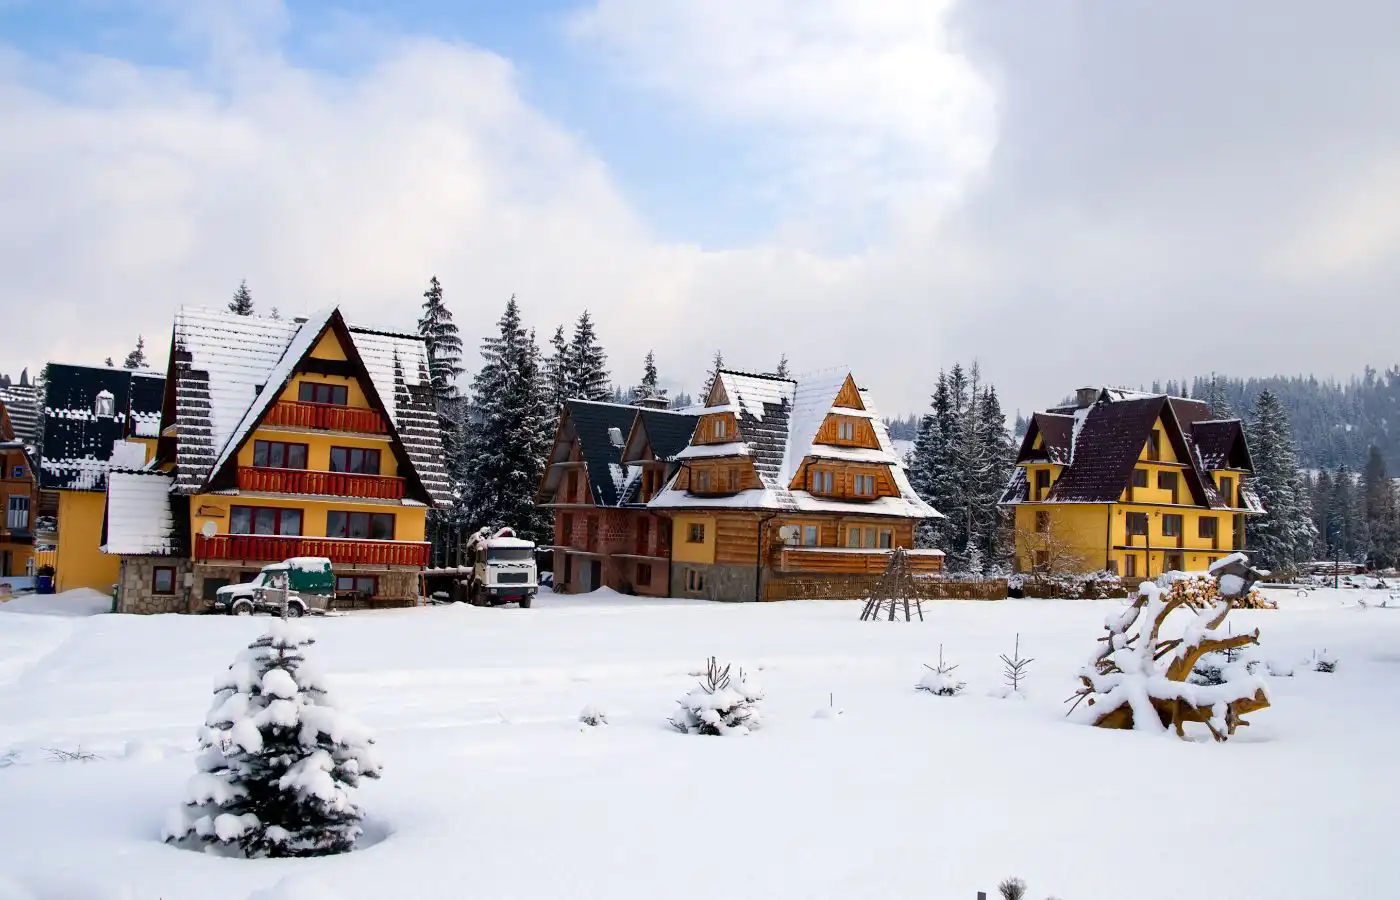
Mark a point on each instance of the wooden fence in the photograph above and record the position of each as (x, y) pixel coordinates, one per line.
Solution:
(860, 587)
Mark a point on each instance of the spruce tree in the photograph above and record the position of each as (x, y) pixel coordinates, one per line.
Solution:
(109, 363)
(1217, 399)
(782, 367)
(558, 369)
(997, 543)
(647, 388)
(242, 302)
(513, 424)
(136, 359)
(444, 344)
(278, 760)
(589, 376)
(1380, 511)
(1284, 536)
(715, 366)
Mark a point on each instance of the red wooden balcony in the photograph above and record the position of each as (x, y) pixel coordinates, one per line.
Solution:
(274, 548)
(327, 417)
(332, 484)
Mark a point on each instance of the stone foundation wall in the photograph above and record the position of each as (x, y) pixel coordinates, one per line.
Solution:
(136, 586)
(730, 584)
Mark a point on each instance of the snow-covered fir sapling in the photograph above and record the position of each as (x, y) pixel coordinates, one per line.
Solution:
(592, 716)
(1014, 668)
(1324, 661)
(939, 680)
(720, 704)
(277, 759)
(1012, 889)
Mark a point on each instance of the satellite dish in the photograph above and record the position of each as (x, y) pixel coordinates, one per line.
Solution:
(209, 529)
(790, 534)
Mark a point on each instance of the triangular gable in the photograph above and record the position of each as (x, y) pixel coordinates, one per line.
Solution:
(717, 396)
(298, 350)
(849, 397)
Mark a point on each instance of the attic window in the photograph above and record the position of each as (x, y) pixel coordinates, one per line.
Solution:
(105, 407)
(846, 430)
(720, 429)
(615, 436)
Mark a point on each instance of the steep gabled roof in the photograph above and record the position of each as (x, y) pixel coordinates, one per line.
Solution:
(762, 405)
(1222, 444)
(1106, 449)
(1056, 433)
(226, 369)
(21, 402)
(602, 458)
(668, 432)
(78, 443)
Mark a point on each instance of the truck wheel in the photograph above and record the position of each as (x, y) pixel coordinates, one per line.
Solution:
(525, 602)
(241, 608)
(294, 610)
(474, 594)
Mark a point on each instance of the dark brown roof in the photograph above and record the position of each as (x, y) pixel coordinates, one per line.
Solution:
(1222, 444)
(1106, 449)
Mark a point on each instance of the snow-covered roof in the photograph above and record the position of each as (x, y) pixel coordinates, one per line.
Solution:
(78, 442)
(139, 520)
(811, 404)
(21, 402)
(224, 363)
(711, 451)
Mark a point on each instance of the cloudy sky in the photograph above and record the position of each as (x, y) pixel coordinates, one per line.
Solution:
(1069, 192)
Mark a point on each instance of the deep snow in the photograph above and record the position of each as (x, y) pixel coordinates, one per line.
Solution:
(492, 789)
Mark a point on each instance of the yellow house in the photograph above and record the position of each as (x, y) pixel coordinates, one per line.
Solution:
(1132, 483)
(94, 418)
(280, 440)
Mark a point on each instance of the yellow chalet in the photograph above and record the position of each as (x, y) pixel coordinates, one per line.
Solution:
(1137, 484)
(281, 439)
(786, 479)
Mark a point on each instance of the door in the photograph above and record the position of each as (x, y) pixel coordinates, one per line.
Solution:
(1174, 563)
(595, 574)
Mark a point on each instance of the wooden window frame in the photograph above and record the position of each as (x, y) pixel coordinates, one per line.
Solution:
(325, 389)
(886, 539)
(277, 511)
(702, 481)
(1226, 493)
(811, 535)
(1042, 482)
(695, 533)
(348, 456)
(845, 430)
(349, 517)
(17, 510)
(733, 479)
(1140, 478)
(861, 481)
(355, 581)
(823, 481)
(1176, 522)
(1207, 527)
(265, 450)
(719, 429)
(694, 581)
(1136, 517)
(155, 581)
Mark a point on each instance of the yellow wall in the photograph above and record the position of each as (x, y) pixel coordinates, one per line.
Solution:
(318, 448)
(1087, 536)
(20, 554)
(681, 548)
(408, 520)
(1080, 528)
(80, 562)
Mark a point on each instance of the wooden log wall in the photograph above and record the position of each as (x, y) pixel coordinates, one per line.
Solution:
(860, 587)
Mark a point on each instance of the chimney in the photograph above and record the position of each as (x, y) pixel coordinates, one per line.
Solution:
(1085, 397)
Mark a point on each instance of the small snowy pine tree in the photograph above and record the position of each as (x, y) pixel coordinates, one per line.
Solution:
(647, 388)
(589, 379)
(278, 760)
(444, 344)
(939, 680)
(719, 705)
(782, 371)
(136, 359)
(715, 366)
(242, 302)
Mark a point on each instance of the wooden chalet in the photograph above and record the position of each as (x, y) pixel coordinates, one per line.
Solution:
(280, 439)
(1136, 484)
(19, 498)
(608, 460)
(787, 479)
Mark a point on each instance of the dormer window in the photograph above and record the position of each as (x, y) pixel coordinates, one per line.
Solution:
(821, 481)
(105, 407)
(1154, 445)
(720, 429)
(865, 485)
(846, 430)
(702, 482)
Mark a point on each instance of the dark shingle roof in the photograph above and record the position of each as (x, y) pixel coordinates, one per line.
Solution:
(21, 403)
(1221, 444)
(77, 442)
(669, 432)
(602, 458)
(1056, 433)
(1106, 450)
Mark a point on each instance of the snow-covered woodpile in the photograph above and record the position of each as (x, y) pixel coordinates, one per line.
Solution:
(1140, 679)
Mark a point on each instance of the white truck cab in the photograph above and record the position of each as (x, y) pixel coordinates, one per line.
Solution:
(503, 569)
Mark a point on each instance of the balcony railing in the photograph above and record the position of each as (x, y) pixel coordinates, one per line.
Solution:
(332, 484)
(267, 547)
(327, 417)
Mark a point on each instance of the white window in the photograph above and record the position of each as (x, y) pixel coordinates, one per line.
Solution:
(846, 430)
(852, 537)
(17, 472)
(821, 482)
(17, 512)
(865, 485)
(870, 538)
(105, 405)
(721, 429)
(811, 535)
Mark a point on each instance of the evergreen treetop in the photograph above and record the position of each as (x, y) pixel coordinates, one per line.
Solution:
(589, 377)
(647, 388)
(242, 302)
(444, 343)
(1284, 536)
(715, 366)
(136, 359)
(558, 369)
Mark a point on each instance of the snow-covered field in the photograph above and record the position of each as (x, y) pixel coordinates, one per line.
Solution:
(491, 790)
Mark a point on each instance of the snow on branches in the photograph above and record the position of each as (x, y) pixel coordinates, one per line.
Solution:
(1141, 680)
(720, 704)
(277, 759)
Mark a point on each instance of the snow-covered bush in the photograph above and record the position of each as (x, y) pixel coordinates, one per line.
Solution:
(592, 716)
(939, 680)
(1065, 585)
(1012, 889)
(1324, 662)
(1209, 669)
(720, 704)
(277, 760)
(1280, 669)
